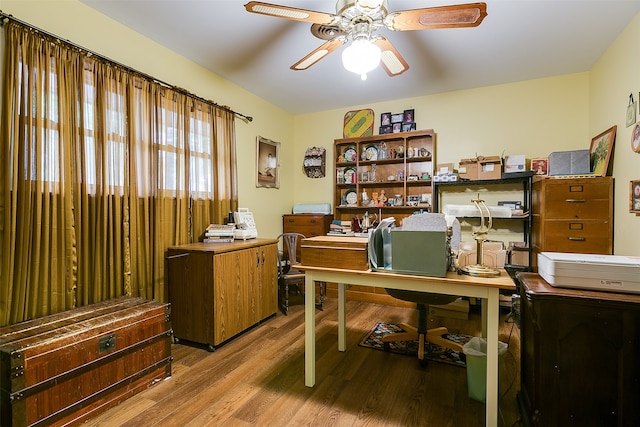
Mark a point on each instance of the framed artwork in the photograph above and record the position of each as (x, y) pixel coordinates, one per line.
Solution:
(267, 173)
(397, 127)
(407, 116)
(635, 138)
(397, 118)
(600, 151)
(385, 119)
(540, 166)
(385, 129)
(408, 127)
(634, 197)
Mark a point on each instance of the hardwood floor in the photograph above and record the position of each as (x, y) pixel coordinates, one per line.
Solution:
(257, 379)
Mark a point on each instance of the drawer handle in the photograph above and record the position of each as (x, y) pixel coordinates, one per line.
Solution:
(313, 221)
(577, 239)
(576, 200)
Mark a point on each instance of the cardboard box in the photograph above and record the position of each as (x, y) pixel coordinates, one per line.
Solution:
(490, 167)
(459, 309)
(468, 169)
(494, 254)
(515, 163)
(349, 253)
(569, 162)
(481, 168)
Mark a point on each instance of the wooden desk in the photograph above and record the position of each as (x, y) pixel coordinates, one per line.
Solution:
(485, 288)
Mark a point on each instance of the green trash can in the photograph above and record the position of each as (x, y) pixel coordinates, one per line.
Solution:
(476, 354)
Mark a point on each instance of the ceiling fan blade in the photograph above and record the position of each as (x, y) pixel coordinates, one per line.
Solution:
(289, 12)
(392, 62)
(319, 53)
(454, 16)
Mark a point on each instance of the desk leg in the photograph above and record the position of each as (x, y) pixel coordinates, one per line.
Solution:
(492, 316)
(342, 318)
(483, 312)
(309, 330)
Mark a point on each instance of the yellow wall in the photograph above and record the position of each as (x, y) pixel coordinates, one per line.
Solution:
(533, 117)
(612, 79)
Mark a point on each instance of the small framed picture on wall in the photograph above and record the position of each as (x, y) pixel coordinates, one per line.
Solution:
(539, 166)
(634, 197)
(407, 116)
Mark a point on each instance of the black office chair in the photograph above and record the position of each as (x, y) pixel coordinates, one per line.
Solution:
(421, 333)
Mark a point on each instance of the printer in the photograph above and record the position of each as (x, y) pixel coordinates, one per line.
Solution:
(614, 273)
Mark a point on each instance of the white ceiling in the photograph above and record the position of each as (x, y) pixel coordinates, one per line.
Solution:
(518, 40)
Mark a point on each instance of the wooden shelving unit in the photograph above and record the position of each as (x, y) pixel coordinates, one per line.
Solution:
(362, 168)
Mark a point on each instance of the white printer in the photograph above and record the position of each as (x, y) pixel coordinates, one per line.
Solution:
(614, 273)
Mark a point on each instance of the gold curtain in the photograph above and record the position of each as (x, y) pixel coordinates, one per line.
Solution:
(102, 170)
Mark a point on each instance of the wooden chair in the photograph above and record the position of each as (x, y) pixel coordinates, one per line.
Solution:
(288, 274)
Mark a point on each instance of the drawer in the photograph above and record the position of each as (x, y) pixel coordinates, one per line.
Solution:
(577, 208)
(585, 189)
(309, 225)
(589, 237)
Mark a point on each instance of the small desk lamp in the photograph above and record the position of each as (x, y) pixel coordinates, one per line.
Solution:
(479, 269)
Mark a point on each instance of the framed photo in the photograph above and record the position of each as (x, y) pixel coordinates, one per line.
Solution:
(385, 129)
(397, 127)
(267, 173)
(408, 127)
(634, 197)
(540, 166)
(407, 116)
(397, 118)
(385, 119)
(635, 138)
(600, 151)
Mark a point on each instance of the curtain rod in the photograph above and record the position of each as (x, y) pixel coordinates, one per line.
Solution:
(4, 17)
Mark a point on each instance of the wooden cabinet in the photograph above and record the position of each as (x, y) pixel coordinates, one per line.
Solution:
(217, 290)
(374, 166)
(579, 353)
(311, 225)
(512, 187)
(573, 215)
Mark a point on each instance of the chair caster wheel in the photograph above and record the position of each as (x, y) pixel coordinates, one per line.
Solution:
(176, 340)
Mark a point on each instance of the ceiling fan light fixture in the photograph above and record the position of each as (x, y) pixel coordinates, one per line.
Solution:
(361, 57)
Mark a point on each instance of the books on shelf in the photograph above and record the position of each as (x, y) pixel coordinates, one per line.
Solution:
(340, 227)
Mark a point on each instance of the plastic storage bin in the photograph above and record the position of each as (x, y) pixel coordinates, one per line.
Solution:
(476, 353)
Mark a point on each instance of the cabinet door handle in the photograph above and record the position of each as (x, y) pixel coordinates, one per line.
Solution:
(576, 200)
(263, 257)
(257, 259)
(577, 239)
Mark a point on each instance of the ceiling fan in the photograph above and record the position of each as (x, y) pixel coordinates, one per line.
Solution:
(358, 20)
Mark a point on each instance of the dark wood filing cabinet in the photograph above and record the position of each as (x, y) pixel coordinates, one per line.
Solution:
(579, 356)
(573, 215)
(311, 225)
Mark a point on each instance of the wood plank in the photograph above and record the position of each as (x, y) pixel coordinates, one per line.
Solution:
(258, 379)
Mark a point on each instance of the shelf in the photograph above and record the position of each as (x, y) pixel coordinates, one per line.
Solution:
(421, 142)
(525, 179)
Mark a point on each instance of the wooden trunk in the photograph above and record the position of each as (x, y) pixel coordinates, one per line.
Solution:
(63, 368)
